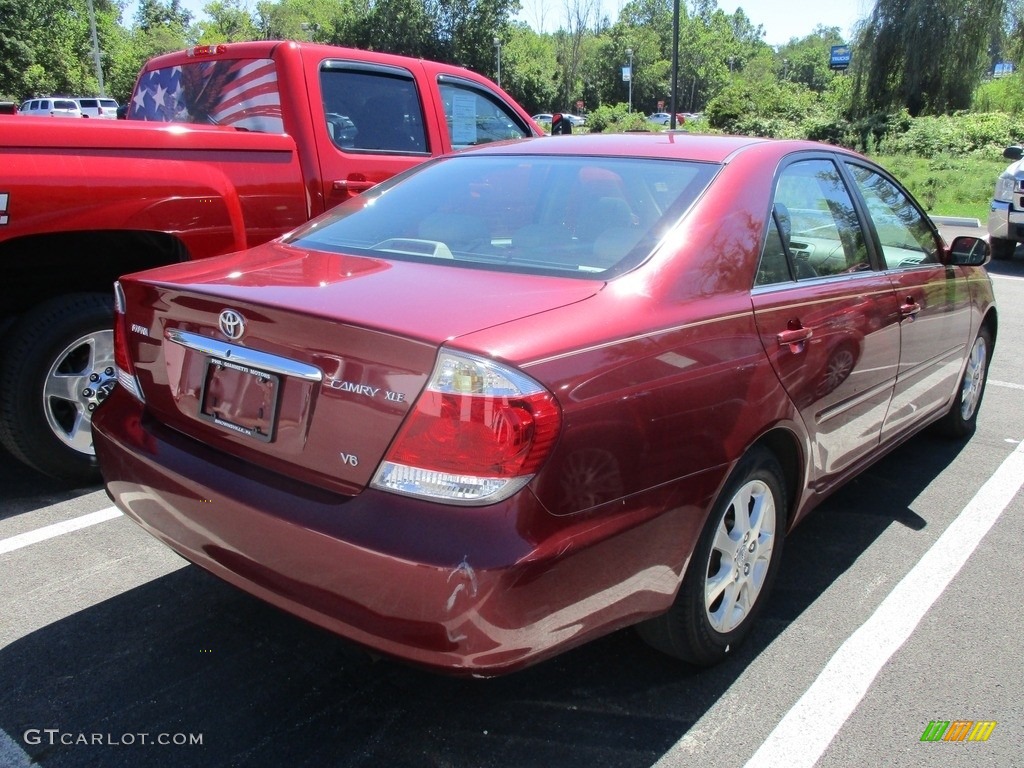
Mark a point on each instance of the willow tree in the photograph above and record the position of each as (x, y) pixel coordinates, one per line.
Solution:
(925, 55)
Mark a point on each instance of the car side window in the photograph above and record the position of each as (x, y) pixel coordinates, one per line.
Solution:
(475, 116)
(903, 233)
(372, 108)
(816, 224)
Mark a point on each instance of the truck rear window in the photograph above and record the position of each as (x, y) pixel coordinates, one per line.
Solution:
(242, 93)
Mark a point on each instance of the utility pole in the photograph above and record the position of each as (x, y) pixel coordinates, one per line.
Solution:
(497, 48)
(629, 52)
(96, 49)
(675, 65)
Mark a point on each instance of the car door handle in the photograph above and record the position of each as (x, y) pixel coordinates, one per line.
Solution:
(909, 309)
(353, 186)
(794, 336)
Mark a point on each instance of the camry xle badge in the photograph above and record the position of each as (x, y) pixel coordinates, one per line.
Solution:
(232, 324)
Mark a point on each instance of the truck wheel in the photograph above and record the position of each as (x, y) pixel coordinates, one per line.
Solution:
(58, 365)
(1002, 249)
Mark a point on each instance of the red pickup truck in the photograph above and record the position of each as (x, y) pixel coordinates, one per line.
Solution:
(226, 146)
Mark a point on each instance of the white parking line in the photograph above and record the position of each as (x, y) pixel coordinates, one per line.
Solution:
(805, 732)
(11, 753)
(50, 531)
(1006, 384)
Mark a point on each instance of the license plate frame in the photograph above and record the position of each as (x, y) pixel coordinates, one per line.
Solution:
(250, 408)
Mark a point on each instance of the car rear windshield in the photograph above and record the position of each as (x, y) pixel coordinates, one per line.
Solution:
(588, 217)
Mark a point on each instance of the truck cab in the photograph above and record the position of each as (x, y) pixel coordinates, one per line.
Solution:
(224, 147)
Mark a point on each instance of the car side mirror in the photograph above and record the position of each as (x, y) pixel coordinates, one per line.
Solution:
(1013, 153)
(969, 252)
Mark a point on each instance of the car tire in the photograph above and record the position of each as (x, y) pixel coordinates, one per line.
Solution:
(57, 366)
(962, 418)
(732, 568)
(1002, 249)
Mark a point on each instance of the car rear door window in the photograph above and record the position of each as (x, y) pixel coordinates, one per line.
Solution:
(814, 226)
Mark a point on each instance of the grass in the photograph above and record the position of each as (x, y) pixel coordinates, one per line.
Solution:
(946, 185)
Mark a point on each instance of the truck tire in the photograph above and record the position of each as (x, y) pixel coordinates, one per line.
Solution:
(1002, 249)
(57, 366)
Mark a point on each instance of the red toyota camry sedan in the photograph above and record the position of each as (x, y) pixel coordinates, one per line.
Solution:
(526, 395)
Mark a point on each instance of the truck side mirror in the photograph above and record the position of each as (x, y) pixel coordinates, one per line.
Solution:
(1013, 153)
(560, 126)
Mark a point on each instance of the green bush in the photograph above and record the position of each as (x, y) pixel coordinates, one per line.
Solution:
(958, 134)
(947, 184)
(616, 118)
(1005, 94)
(831, 130)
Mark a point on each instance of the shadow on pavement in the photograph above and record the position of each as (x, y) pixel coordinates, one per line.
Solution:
(22, 489)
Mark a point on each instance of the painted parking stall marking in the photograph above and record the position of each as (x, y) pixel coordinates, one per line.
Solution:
(57, 529)
(805, 732)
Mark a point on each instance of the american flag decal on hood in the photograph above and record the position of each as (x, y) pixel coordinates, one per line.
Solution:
(241, 93)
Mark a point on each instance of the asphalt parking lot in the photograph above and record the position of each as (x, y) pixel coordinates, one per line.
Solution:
(898, 605)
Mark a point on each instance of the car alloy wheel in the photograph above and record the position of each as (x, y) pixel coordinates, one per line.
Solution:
(962, 418)
(974, 378)
(741, 555)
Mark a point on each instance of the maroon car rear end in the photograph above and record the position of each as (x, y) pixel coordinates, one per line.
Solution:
(524, 396)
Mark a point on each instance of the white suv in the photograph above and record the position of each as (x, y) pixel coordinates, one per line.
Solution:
(49, 106)
(98, 107)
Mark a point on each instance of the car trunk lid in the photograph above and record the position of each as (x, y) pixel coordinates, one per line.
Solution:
(329, 352)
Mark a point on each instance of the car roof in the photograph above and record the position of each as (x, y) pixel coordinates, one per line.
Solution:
(682, 146)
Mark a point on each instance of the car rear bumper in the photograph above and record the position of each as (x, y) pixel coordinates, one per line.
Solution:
(470, 590)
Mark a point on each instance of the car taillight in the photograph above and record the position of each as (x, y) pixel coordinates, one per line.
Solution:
(122, 359)
(476, 435)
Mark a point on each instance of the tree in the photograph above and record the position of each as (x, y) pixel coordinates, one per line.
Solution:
(16, 52)
(928, 55)
(154, 14)
(229, 20)
(809, 57)
(580, 17)
(527, 64)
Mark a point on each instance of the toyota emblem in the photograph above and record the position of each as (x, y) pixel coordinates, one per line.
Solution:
(232, 324)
